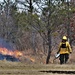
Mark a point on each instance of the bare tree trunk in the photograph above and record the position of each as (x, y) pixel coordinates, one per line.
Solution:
(49, 35)
(33, 31)
(49, 46)
(33, 41)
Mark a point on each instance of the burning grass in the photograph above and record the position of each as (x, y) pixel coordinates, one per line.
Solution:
(15, 53)
(9, 55)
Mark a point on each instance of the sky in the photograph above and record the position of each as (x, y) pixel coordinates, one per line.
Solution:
(14, 0)
(19, 5)
(3, 0)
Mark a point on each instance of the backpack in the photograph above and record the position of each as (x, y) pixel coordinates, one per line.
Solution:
(63, 45)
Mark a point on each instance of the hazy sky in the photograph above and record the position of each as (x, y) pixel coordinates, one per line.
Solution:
(1, 0)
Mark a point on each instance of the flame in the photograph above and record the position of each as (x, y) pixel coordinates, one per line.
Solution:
(3, 51)
(15, 53)
(33, 60)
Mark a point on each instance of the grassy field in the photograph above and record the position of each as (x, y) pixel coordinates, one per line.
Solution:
(20, 68)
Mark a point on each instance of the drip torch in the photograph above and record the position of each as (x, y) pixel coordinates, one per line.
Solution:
(56, 56)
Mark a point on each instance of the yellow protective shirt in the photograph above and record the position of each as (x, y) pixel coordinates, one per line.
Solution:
(67, 50)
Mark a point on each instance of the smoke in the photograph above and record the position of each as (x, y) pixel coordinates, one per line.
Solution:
(5, 48)
(5, 44)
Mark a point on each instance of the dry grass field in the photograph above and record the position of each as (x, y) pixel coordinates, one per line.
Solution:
(20, 68)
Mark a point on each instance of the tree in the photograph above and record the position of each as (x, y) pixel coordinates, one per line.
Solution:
(54, 15)
(8, 28)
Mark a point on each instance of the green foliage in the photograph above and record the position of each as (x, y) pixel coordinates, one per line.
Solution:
(22, 20)
(28, 21)
(53, 14)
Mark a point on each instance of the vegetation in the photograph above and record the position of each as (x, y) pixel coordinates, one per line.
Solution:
(13, 68)
(36, 24)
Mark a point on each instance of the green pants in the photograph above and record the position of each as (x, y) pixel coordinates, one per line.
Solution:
(64, 58)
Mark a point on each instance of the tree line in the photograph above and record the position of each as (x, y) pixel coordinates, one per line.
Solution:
(36, 24)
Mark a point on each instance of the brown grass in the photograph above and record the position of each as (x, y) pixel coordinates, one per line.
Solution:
(20, 68)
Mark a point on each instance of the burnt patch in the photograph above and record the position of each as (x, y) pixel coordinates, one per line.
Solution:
(59, 72)
(11, 58)
(8, 58)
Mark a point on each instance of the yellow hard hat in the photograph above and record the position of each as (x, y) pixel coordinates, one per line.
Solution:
(64, 38)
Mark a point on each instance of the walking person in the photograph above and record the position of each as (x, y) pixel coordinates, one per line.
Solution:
(64, 50)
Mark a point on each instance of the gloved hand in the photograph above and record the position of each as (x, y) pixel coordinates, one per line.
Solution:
(57, 52)
(70, 52)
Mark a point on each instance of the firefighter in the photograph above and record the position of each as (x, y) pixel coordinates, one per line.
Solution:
(64, 50)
